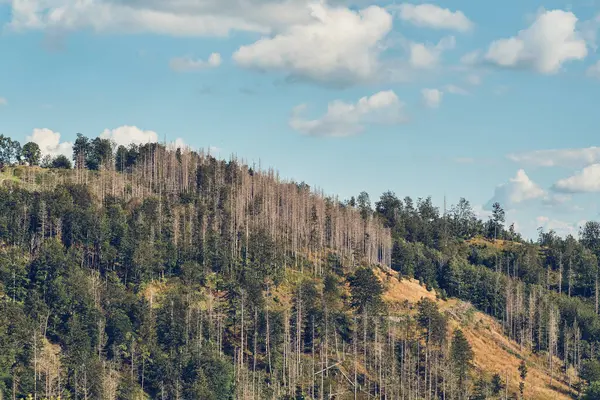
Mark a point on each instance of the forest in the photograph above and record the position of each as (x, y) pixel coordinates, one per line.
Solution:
(156, 271)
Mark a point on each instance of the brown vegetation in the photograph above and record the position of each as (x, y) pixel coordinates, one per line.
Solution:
(494, 352)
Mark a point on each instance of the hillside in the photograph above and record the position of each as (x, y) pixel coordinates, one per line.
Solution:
(494, 352)
(156, 272)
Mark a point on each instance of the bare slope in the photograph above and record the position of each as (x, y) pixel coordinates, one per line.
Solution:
(494, 352)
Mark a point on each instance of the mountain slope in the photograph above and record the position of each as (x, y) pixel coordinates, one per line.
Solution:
(494, 352)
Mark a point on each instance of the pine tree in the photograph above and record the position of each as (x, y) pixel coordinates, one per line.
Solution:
(462, 359)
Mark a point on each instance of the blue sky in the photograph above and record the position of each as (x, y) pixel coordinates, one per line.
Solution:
(455, 98)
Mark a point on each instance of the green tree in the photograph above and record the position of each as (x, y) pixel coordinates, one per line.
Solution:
(31, 153)
(523, 375)
(462, 357)
(523, 370)
(81, 149)
(498, 218)
(10, 151)
(366, 290)
(100, 154)
(364, 204)
(390, 208)
(430, 319)
(481, 389)
(496, 384)
(592, 392)
(590, 370)
(463, 218)
(121, 158)
(61, 162)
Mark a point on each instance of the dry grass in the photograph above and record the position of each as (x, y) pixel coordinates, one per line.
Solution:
(497, 244)
(494, 352)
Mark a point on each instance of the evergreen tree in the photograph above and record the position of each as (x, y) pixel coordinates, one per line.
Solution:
(497, 386)
(462, 357)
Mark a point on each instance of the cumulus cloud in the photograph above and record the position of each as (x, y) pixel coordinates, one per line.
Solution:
(185, 64)
(126, 135)
(516, 191)
(556, 199)
(49, 142)
(561, 228)
(435, 17)
(338, 45)
(593, 71)
(180, 18)
(423, 55)
(585, 181)
(432, 97)
(344, 119)
(550, 41)
(558, 157)
(481, 212)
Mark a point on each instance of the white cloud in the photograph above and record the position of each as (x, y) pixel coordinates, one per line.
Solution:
(549, 42)
(3, 101)
(556, 199)
(589, 31)
(432, 97)
(481, 212)
(561, 228)
(125, 135)
(559, 157)
(49, 142)
(179, 143)
(471, 58)
(344, 119)
(185, 64)
(516, 191)
(585, 181)
(214, 150)
(453, 89)
(435, 17)
(423, 55)
(593, 71)
(179, 18)
(338, 45)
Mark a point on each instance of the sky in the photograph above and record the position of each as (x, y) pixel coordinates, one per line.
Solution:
(449, 99)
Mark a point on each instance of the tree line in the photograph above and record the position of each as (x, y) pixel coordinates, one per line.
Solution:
(150, 271)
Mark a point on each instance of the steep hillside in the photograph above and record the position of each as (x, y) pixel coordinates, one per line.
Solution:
(165, 273)
(494, 352)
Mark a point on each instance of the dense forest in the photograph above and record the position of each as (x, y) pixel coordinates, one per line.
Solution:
(152, 271)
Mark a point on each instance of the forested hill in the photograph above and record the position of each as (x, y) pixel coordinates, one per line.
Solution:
(159, 272)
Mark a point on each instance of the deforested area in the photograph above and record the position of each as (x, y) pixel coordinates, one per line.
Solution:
(155, 271)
